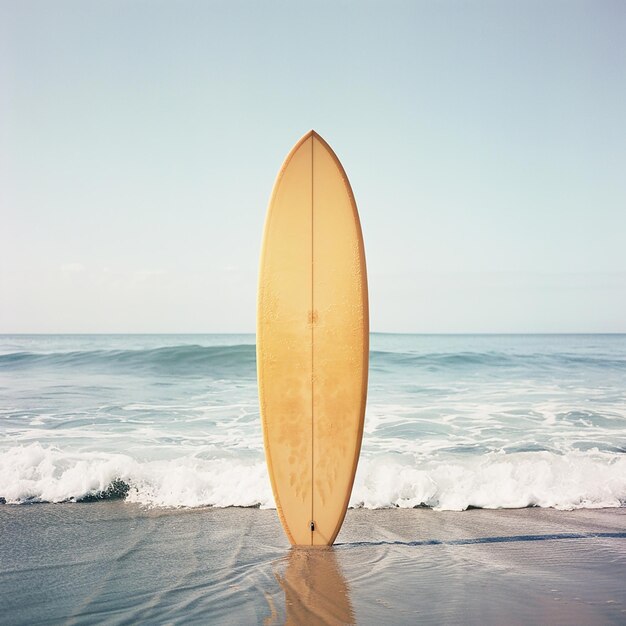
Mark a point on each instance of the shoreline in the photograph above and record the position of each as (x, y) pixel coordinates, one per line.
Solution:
(123, 562)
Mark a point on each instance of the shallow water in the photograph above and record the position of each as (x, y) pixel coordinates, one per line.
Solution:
(116, 562)
(453, 421)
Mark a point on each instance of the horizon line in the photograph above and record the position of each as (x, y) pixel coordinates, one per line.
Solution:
(373, 332)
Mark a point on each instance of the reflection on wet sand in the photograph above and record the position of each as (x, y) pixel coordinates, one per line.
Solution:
(315, 590)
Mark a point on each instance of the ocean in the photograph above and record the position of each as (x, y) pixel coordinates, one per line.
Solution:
(452, 422)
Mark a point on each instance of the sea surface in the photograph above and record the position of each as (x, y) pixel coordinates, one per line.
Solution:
(452, 422)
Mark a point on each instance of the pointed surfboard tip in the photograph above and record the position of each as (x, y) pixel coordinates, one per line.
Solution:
(312, 133)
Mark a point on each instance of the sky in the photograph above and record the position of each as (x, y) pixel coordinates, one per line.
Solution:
(485, 143)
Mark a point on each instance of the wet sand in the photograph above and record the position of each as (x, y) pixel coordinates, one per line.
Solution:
(119, 563)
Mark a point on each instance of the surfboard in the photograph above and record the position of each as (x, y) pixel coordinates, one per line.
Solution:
(312, 342)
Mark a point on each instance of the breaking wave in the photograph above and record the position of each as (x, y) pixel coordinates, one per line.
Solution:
(591, 479)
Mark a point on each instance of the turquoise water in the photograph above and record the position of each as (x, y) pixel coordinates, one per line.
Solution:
(453, 421)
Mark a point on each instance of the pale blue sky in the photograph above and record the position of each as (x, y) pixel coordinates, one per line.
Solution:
(485, 143)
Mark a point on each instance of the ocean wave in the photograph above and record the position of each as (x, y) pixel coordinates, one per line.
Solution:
(521, 479)
(240, 360)
(192, 360)
(591, 479)
(37, 473)
(492, 359)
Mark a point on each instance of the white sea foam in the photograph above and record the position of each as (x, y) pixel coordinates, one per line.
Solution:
(545, 479)
(37, 473)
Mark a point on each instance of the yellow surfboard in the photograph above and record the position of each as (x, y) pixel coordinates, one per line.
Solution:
(312, 342)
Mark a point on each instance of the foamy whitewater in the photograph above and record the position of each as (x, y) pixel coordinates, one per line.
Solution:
(452, 421)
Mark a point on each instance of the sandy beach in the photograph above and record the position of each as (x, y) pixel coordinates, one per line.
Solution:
(117, 562)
